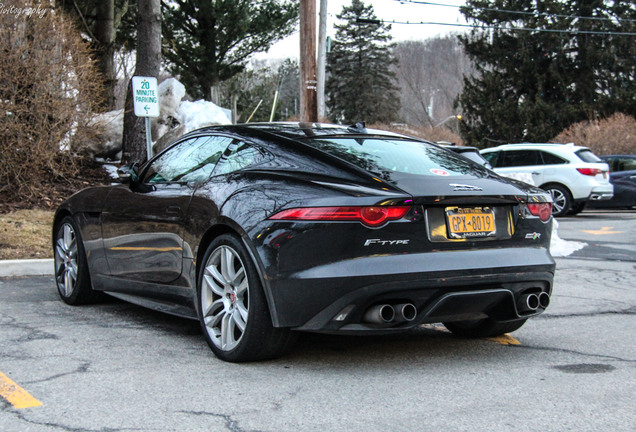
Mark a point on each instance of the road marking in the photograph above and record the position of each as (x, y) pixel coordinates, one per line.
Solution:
(603, 231)
(505, 340)
(16, 395)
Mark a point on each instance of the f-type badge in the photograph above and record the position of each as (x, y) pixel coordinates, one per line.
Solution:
(465, 188)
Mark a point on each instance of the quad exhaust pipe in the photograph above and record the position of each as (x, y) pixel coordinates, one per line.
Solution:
(386, 313)
(531, 302)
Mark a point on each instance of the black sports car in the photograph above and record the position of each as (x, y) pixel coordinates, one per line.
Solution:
(260, 230)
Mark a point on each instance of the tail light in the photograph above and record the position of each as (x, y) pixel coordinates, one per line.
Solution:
(589, 171)
(542, 210)
(373, 216)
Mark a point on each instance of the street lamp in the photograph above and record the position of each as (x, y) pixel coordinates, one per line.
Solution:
(454, 116)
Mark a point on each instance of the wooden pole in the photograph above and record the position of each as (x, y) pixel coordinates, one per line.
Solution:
(322, 57)
(308, 82)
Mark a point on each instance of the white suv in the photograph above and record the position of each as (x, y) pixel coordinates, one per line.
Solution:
(572, 174)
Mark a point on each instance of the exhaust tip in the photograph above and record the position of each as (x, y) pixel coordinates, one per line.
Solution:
(405, 312)
(528, 303)
(380, 314)
(544, 300)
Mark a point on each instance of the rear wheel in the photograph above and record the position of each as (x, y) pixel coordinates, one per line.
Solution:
(561, 198)
(482, 328)
(576, 208)
(232, 308)
(71, 271)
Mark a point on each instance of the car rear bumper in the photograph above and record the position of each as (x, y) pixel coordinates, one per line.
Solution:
(601, 195)
(443, 286)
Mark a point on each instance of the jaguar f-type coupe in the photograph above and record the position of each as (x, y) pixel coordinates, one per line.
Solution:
(263, 230)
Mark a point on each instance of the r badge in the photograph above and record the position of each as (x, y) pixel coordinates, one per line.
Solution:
(533, 236)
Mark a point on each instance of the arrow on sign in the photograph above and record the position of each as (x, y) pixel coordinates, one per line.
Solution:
(146, 108)
(603, 231)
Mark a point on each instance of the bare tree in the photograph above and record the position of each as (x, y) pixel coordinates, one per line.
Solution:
(430, 75)
(148, 64)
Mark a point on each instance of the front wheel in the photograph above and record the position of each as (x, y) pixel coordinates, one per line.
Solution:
(483, 327)
(232, 308)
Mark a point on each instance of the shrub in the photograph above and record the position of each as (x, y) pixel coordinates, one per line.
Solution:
(48, 89)
(613, 135)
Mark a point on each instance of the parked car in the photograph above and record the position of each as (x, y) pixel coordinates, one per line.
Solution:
(623, 178)
(573, 175)
(261, 230)
(468, 152)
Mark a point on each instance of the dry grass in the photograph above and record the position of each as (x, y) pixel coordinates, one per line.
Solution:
(26, 234)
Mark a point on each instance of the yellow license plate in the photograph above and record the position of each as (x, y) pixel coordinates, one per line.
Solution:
(470, 222)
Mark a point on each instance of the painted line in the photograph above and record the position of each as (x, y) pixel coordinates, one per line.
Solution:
(16, 395)
(505, 340)
(603, 231)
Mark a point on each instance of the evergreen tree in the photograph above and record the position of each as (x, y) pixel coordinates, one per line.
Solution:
(532, 84)
(209, 41)
(360, 84)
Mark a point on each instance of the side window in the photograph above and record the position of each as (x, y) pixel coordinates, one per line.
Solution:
(515, 158)
(551, 159)
(493, 158)
(624, 164)
(191, 160)
(238, 156)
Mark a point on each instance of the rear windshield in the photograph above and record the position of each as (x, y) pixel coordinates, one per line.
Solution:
(384, 156)
(587, 156)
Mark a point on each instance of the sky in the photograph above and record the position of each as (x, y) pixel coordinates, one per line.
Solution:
(387, 10)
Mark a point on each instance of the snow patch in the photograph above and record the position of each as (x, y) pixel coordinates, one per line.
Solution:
(111, 170)
(194, 115)
(560, 247)
(521, 176)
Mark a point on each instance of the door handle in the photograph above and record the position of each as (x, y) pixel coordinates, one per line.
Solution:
(536, 173)
(174, 210)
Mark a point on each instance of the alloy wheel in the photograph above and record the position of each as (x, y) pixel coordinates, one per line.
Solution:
(225, 297)
(559, 200)
(66, 260)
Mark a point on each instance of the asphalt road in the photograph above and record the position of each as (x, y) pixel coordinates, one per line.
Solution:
(118, 367)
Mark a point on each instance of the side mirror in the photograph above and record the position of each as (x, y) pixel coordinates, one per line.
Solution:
(128, 173)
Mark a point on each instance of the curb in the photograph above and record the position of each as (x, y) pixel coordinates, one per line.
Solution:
(26, 267)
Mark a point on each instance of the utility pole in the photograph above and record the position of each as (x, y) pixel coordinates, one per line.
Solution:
(308, 99)
(322, 57)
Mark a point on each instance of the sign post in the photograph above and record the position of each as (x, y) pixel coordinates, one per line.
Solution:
(146, 103)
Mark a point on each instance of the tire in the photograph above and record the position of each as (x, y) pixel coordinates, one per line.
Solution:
(482, 328)
(71, 270)
(561, 198)
(232, 308)
(576, 208)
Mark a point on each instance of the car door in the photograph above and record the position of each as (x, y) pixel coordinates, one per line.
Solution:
(142, 224)
(521, 164)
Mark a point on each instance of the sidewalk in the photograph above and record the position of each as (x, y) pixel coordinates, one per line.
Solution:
(26, 267)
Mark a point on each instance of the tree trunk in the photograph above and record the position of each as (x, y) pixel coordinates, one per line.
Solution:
(105, 35)
(148, 64)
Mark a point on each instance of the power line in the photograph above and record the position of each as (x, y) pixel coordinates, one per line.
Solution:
(592, 32)
(509, 11)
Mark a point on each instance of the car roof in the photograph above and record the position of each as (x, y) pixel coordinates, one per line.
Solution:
(301, 130)
(568, 146)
